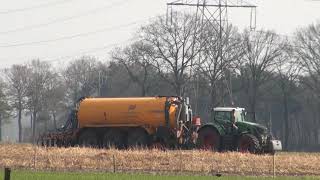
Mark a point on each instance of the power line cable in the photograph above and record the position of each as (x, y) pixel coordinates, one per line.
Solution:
(92, 50)
(73, 55)
(69, 37)
(80, 34)
(34, 7)
(60, 20)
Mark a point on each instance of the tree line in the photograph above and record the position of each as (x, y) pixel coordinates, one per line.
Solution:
(276, 78)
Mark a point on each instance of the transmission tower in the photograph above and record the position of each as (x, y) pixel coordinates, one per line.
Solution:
(214, 13)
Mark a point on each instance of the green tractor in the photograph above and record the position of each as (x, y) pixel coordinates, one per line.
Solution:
(229, 130)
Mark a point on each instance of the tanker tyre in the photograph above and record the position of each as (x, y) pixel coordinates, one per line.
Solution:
(59, 143)
(88, 139)
(249, 143)
(53, 142)
(138, 138)
(209, 139)
(159, 144)
(47, 142)
(114, 138)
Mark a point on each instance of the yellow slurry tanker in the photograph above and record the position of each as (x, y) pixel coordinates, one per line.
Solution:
(127, 122)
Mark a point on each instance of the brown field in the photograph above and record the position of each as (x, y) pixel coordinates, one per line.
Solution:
(26, 156)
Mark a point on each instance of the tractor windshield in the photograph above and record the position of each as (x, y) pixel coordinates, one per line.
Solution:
(226, 115)
(222, 115)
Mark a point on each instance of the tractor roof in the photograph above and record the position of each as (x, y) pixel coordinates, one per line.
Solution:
(228, 109)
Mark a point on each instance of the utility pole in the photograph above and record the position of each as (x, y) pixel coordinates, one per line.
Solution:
(214, 13)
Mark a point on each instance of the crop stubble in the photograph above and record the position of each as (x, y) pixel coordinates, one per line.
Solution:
(25, 156)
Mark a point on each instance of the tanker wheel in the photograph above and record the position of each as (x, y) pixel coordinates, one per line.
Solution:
(47, 142)
(53, 142)
(248, 143)
(114, 138)
(59, 143)
(88, 139)
(209, 139)
(159, 144)
(138, 138)
(40, 142)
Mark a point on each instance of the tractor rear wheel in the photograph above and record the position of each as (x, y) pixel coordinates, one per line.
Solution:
(114, 138)
(209, 139)
(138, 138)
(248, 143)
(88, 139)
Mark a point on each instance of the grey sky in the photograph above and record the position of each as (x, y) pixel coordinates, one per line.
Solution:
(73, 30)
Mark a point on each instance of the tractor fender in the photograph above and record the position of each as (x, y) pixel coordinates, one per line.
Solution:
(245, 132)
(251, 131)
(212, 126)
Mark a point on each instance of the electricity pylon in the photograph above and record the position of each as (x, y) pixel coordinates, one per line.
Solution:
(214, 13)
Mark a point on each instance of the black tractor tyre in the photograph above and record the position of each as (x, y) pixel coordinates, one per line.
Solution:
(208, 139)
(138, 138)
(114, 138)
(249, 143)
(88, 138)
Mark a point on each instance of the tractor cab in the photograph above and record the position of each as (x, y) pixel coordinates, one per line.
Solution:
(228, 113)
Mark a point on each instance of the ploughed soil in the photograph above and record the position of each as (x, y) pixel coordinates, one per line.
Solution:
(26, 156)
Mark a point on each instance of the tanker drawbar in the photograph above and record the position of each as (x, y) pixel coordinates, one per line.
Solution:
(163, 122)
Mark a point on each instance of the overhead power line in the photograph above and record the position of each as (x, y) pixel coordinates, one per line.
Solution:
(34, 7)
(80, 34)
(73, 55)
(65, 19)
(87, 51)
(69, 37)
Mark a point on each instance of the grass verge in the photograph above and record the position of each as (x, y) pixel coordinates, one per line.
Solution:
(30, 175)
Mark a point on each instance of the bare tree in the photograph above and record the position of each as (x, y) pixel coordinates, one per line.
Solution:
(138, 61)
(214, 65)
(288, 72)
(4, 107)
(55, 101)
(176, 44)
(17, 78)
(39, 78)
(82, 78)
(308, 52)
(261, 49)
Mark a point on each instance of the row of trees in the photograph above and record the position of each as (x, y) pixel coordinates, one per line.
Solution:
(275, 78)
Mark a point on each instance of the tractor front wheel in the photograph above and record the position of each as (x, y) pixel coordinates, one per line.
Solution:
(248, 143)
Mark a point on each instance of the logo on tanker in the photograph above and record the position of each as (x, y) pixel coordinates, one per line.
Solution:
(132, 107)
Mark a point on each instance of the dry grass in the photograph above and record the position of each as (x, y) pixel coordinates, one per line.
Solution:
(25, 156)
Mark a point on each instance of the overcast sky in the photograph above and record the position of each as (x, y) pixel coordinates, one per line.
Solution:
(59, 30)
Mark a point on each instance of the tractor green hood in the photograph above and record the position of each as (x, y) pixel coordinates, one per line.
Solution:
(259, 127)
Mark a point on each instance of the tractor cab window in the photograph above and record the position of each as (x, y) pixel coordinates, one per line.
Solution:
(238, 116)
(222, 116)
